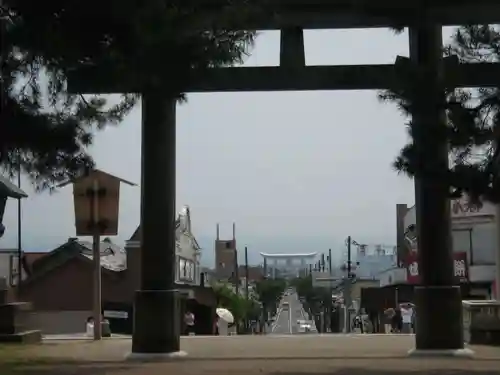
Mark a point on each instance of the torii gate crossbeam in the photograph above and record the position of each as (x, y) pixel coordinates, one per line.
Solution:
(307, 78)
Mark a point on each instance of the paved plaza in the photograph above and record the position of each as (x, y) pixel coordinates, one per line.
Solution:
(284, 351)
(272, 354)
(327, 346)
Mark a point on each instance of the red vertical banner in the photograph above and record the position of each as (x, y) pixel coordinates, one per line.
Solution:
(412, 274)
(460, 268)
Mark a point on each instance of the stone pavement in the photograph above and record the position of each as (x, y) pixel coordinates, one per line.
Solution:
(257, 355)
(328, 346)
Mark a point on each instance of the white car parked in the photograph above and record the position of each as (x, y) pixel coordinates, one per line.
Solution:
(304, 326)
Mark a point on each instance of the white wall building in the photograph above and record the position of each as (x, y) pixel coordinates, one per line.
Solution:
(474, 232)
(371, 261)
(188, 252)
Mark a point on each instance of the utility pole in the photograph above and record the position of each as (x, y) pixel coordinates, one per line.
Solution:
(330, 261)
(330, 304)
(263, 318)
(19, 232)
(246, 273)
(246, 285)
(236, 273)
(347, 286)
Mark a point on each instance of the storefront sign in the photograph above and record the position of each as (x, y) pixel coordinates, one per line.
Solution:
(115, 314)
(460, 268)
(462, 207)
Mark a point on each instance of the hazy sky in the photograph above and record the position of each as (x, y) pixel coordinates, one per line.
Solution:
(296, 171)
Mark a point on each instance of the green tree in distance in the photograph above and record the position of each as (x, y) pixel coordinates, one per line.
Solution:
(241, 308)
(160, 44)
(269, 292)
(470, 127)
(303, 286)
(314, 297)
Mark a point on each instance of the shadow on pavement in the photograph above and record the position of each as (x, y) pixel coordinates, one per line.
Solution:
(262, 367)
(70, 368)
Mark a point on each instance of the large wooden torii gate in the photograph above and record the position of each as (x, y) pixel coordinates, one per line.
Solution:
(156, 319)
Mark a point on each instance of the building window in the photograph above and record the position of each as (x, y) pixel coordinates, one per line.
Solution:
(186, 270)
(191, 271)
(229, 244)
(182, 269)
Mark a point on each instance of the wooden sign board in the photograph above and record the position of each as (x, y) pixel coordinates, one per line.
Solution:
(108, 198)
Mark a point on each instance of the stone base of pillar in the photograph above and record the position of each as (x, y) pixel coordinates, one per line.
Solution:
(157, 324)
(15, 322)
(439, 318)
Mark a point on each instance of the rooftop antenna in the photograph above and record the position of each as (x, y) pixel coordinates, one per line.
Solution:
(234, 231)
(217, 231)
(188, 217)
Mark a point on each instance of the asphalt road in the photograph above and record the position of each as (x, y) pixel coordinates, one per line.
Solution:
(290, 311)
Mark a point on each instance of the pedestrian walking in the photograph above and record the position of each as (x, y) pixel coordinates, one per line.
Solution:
(388, 315)
(397, 321)
(189, 322)
(414, 320)
(216, 326)
(406, 313)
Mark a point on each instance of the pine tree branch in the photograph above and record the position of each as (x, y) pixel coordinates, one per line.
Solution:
(471, 122)
(155, 44)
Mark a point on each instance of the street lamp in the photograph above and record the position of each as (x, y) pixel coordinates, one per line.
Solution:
(96, 197)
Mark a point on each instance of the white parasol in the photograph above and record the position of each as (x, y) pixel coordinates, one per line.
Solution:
(225, 315)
